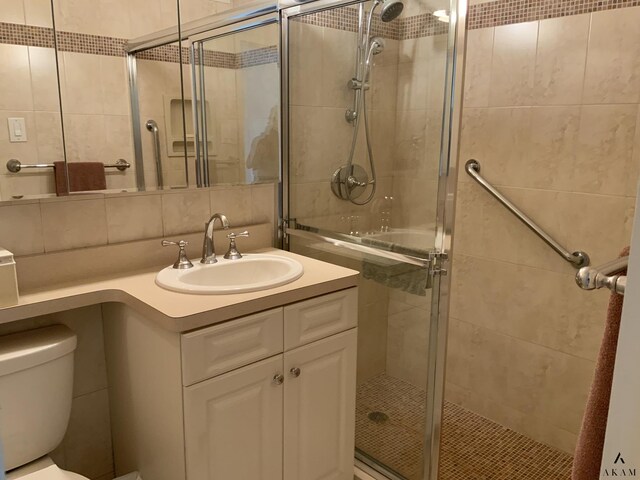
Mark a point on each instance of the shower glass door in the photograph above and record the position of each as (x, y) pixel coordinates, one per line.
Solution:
(367, 109)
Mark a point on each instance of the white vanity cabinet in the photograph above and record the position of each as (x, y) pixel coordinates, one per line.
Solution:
(270, 396)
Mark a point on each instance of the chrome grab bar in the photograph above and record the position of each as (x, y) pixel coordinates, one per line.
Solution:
(152, 126)
(607, 275)
(577, 259)
(14, 166)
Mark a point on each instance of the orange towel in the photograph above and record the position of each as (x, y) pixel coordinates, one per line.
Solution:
(83, 176)
(588, 456)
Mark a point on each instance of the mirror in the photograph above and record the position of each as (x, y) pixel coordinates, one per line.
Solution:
(94, 81)
(164, 109)
(239, 99)
(30, 124)
(114, 122)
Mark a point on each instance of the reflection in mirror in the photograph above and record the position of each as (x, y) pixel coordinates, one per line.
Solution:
(94, 80)
(163, 110)
(30, 125)
(242, 119)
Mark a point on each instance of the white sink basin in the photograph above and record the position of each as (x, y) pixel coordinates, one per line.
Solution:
(251, 273)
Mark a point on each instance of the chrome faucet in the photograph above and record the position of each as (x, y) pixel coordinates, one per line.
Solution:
(208, 251)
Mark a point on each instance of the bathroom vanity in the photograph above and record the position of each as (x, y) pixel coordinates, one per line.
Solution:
(264, 396)
(258, 385)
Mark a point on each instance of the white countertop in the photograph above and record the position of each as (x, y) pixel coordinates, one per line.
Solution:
(180, 312)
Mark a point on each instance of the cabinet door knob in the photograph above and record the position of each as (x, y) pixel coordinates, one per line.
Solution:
(295, 372)
(278, 379)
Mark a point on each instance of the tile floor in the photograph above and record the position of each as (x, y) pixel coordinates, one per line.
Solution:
(473, 447)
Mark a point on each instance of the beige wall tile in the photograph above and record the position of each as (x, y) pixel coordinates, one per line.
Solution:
(513, 64)
(38, 13)
(560, 60)
(44, 79)
(306, 71)
(477, 70)
(134, 217)
(312, 157)
(87, 443)
(613, 72)
(338, 54)
(118, 140)
(523, 376)
(77, 129)
(12, 12)
(605, 149)
(411, 91)
(264, 203)
(184, 212)
(90, 370)
(408, 345)
(21, 229)
(115, 89)
(73, 224)
(15, 79)
(372, 339)
(528, 303)
(81, 84)
(49, 135)
(384, 85)
(234, 202)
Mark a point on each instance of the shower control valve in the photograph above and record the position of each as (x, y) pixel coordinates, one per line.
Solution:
(350, 115)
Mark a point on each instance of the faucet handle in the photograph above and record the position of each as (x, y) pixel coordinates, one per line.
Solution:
(182, 262)
(233, 252)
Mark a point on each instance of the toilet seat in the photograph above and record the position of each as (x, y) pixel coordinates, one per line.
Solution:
(43, 469)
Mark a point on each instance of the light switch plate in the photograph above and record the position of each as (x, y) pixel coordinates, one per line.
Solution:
(17, 129)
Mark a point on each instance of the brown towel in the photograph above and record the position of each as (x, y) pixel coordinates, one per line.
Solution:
(588, 456)
(83, 176)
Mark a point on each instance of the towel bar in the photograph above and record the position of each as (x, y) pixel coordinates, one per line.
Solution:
(606, 275)
(577, 259)
(14, 166)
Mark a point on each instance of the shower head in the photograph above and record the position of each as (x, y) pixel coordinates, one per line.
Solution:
(391, 9)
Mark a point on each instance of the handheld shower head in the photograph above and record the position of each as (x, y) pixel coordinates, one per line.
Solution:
(391, 9)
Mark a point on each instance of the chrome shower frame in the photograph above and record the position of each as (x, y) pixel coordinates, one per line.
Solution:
(447, 183)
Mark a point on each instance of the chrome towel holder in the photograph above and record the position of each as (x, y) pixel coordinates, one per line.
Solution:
(607, 275)
(578, 258)
(14, 166)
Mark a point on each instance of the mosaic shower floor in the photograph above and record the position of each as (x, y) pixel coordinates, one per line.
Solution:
(473, 448)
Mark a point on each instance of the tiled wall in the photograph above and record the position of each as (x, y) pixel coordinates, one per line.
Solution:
(52, 225)
(551, 111)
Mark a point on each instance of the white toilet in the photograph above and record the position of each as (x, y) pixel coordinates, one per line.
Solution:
(36, 385)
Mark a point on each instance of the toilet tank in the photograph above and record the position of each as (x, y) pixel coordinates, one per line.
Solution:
(36, 386)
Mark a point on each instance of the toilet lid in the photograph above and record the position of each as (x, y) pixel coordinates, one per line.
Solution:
(52, 472)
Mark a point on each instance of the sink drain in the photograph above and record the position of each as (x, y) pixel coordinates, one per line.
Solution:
(378, 417)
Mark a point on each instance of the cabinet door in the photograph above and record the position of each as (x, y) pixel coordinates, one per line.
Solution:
(233, 424)
(319, 406)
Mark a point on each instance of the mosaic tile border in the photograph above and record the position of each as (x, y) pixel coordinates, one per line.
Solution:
(31, 36)
(507, 12)
(482, 15)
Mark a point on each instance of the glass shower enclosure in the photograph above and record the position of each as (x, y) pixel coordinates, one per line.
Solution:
(369, 147)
